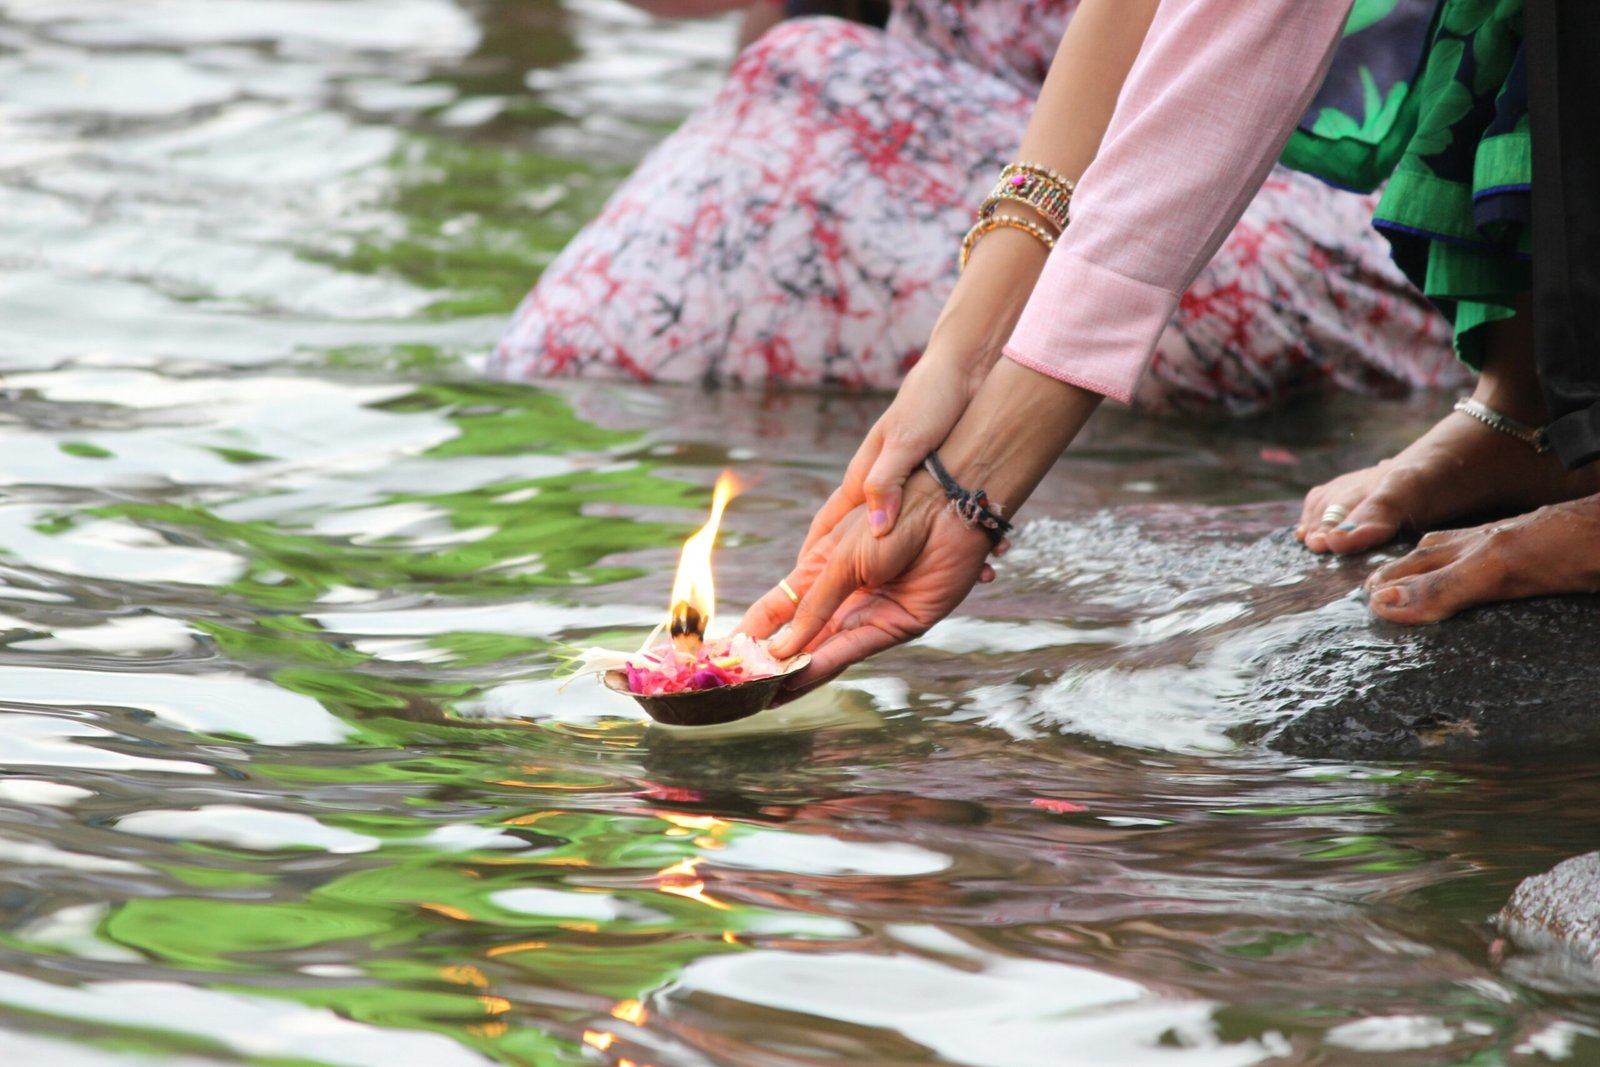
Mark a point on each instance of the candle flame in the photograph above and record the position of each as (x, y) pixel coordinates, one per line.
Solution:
(694, 598)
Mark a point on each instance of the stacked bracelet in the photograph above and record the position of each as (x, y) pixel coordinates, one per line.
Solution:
(998, 222)
(1029, 184)
(973, 505)
(1033, 186)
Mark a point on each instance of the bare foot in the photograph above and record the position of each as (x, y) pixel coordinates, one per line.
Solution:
(1553, 550)
(1457, 469)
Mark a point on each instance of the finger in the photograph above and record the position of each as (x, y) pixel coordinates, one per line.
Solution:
(775, 607)
(884, 482)
(767, 615)
(986, 575)
(840, 503)
(819, 600)
(844, 649)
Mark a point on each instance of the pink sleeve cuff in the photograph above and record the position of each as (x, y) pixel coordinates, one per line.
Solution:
(1084, 321)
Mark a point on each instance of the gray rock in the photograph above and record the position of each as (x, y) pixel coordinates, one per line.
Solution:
(1511, 678)
(1559, 908)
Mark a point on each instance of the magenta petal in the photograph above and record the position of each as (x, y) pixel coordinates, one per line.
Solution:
(637, 679)
(705, 679)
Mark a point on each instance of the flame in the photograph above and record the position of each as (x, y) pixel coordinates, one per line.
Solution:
(694, 598)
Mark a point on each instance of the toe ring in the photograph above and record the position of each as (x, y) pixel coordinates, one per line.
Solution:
(1334, 515)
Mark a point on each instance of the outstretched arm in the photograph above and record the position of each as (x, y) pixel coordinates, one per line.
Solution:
(1068, 121)
(1216, 90)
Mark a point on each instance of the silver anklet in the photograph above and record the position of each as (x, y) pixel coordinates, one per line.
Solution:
(1532, 436)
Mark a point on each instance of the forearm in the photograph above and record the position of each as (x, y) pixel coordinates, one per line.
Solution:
(1013, 432)
(1071, 116)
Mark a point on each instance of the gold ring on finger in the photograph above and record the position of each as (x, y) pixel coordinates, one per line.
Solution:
(788, 591)
(1334, 515)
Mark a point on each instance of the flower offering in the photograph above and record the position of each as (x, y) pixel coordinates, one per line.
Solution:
(667, 669)
(679, 677)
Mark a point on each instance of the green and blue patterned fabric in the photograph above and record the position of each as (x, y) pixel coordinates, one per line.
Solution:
(1430, 96)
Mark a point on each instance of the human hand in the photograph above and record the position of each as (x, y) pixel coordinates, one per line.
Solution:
(929, 403)
(861, 594)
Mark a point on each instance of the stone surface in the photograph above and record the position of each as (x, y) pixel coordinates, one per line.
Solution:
(1519, 677)
(1560, 907)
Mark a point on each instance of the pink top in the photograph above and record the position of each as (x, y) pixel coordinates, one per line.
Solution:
(1215, 92)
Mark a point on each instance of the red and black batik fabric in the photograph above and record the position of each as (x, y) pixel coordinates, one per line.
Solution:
(802, 229)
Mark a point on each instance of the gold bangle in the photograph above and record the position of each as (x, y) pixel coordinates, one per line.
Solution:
(1053, 210)
(995, 222)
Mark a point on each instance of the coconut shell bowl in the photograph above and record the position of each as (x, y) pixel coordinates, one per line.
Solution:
(710, 707)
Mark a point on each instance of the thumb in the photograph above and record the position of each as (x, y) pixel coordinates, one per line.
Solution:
(884, 482)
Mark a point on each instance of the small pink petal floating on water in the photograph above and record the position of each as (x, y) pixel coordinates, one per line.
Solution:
(1060, 807)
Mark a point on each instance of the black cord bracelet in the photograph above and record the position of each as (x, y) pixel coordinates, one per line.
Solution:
(971, 504)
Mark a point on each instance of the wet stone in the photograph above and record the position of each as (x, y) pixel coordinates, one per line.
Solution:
(1505, 679)
(1269, 644)
(1560, 908)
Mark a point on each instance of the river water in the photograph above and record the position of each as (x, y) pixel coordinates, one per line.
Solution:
(285, 780)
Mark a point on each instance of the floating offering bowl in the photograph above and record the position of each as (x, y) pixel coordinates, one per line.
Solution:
(709, 707)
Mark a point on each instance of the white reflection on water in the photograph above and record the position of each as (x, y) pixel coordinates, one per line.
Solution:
(246, 1025)
(999, 1013)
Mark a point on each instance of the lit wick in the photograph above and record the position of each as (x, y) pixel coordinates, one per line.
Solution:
(688, 628)
(694, 598)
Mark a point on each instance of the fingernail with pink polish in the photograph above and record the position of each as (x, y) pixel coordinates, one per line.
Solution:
(878, 520)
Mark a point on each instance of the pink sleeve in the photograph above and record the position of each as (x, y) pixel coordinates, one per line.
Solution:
(1215, 92)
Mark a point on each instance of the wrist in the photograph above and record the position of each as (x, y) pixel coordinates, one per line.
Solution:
(926, 499)
(1013, 432)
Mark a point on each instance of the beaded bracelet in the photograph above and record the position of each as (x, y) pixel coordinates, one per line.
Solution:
(973, 505)
(1043, 190)
(996, 222)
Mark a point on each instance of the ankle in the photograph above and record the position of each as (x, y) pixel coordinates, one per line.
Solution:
(1517, 400)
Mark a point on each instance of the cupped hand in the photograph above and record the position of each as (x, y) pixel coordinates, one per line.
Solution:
(929, 403)
(861, 594)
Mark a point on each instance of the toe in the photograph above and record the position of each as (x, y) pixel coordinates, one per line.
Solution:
(1376, 520)
(1432, 584)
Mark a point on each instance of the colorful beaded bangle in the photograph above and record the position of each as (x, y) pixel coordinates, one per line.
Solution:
(1045, 191)
(997, 222)
(1024, 167)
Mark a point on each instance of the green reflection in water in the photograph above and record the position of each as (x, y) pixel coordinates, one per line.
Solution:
(607, 911)
(530, 533)
(481, 221)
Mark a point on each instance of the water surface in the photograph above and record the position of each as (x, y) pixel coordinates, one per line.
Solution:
(285, 779)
